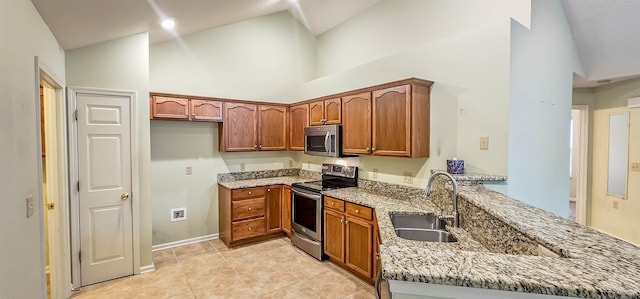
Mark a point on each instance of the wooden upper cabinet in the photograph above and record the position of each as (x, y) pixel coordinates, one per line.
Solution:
(316, 113)
(205, 110)
(239, 131)
(298, 120)
(391, 133)
(356, 124)
(333, 111)
(170, 108)
(325, 112)
(273, 128)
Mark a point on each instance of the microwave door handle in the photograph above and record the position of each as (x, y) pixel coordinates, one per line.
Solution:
(327, 146)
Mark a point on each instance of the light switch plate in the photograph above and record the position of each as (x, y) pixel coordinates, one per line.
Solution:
(29, 201)
(635, 166)
(188, 170)
(615, 204)
(484, 142)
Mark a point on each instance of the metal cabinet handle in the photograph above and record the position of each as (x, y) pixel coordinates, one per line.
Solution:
(357, 211)
(373, 148)
(368, 149)
(249, 209)
(249, 228)
(341, 220)
(268, 189)
(124, 196)
(346, 222)
(249, 192)
(333, 204)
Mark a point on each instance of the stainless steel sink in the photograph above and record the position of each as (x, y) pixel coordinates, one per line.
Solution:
(428, 235)
(421, 227)
(427, 221)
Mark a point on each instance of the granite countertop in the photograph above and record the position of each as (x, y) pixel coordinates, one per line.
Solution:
(285, 180)
(594, 265)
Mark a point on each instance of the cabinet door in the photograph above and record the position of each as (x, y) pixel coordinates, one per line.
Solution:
(298, 120)
(274, 209)
(240, 127)
(170, 108)
(286, 210)
(392, 121)
(203, 110)
(273, 128)
(359, 245)
(334, 234)
(356, 124)
(333, 111)
(376, 248)
(316, 113)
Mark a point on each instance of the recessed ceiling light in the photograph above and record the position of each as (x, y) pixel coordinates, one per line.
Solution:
(168, 23)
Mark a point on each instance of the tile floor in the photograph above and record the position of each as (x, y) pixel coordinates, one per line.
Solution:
(270, 269)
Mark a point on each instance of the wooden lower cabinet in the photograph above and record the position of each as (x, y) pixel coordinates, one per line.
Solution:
(286, 210)
(249, 214)
(349, 236)
(274, 208)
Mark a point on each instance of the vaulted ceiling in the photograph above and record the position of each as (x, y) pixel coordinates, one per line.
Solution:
(606, 32)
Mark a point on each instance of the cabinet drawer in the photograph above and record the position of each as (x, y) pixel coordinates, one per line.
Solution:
(359, 211)
(247, 208)
(335, 204)
(248, 228)
(247, 192)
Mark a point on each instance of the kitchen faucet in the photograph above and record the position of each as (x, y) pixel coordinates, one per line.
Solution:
(453, 216)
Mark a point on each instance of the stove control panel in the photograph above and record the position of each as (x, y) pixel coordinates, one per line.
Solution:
(340, 170)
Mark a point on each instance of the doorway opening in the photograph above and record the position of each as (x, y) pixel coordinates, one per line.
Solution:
(54, 188)
(579, 141)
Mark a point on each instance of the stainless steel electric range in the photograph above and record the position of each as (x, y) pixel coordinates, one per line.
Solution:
(307, 206)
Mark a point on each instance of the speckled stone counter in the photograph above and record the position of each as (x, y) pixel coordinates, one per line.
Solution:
(594, 265)
(248, 179)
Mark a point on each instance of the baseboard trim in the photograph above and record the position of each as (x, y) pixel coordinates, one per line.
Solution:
(184, 242)
(147, 268)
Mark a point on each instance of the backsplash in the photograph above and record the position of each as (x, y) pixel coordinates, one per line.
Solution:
(491, 232)
(260, 174)
(401, 192)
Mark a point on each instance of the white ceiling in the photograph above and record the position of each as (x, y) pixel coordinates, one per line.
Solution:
(78, 23)
(606, 32)
(607, 37)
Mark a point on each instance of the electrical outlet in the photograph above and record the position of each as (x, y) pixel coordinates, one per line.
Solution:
(178, 214)
(484, 143)
(375, 173)
(635, 166)
(188, 170)
(615, 204)
(408, 177)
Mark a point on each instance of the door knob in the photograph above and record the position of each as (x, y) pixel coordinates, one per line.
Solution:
(124, 196)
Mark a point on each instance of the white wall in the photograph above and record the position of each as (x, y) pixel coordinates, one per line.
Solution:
(122, 64)
(23, 36)
(543, 60)
(469, 63)
(176, 145)
(261, 59)
(622, 222)
(394, 26)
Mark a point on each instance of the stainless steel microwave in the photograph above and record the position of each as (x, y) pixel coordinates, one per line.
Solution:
(325, 141)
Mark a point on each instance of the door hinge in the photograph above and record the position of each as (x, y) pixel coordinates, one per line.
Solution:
(80, 256)
(78, 185)
(75, 114)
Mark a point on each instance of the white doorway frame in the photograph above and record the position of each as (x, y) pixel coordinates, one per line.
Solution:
(59, 257)
(74, 176)
(581, 184)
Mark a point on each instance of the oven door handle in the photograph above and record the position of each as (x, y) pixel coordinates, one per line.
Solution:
(306, 194)
(327, 145)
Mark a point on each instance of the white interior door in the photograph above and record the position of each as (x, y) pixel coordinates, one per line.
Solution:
(104, 172)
